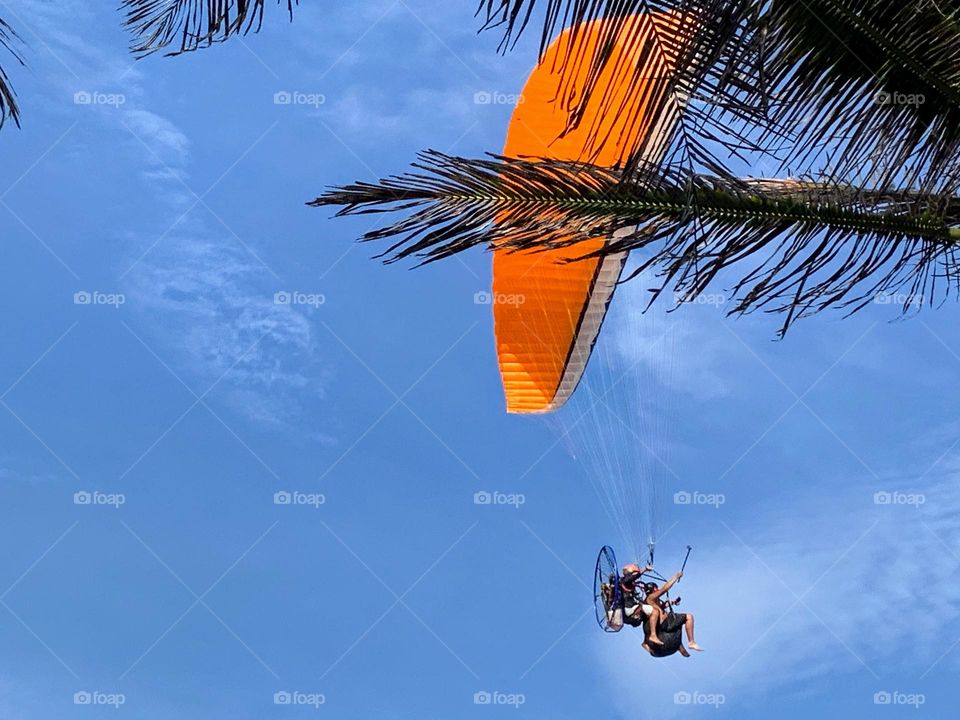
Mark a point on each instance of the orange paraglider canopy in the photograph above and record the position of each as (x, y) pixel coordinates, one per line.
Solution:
(548, 312)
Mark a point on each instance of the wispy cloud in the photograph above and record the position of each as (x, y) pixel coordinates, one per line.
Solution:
(165, 142)
(219, 315)
(371, 114)
(215, 298)
(201, 296)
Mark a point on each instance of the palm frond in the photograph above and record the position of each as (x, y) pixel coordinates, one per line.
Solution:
(795, 247)
(874, 83)
(8, 98)
(187, 25)
(865, 89)
(688, 41)
(513, 17)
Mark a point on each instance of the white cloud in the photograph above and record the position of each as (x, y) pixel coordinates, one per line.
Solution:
(165, 143)
(218, 312)
(204, 300)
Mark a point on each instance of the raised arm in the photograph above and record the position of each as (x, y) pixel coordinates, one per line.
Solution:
(655, 595)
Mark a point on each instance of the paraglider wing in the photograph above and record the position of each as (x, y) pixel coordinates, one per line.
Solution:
(548, 311)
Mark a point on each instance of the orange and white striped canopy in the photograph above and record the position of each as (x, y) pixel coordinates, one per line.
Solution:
(546, 332)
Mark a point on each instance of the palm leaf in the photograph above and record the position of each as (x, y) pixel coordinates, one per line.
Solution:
(793, 247)
(690, 39)
(875, 83)
(188, 25)
(8, 98)
(865, 89)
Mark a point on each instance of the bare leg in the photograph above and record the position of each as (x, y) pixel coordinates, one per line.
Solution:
(688, 626)
(652, 623)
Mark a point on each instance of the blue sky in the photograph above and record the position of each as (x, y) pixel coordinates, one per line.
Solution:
(199, 397)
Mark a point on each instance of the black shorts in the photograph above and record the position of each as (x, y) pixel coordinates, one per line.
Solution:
(670, 632)
(673, 622)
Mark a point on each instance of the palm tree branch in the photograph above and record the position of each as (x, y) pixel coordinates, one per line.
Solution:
(683, 42)
(875, 83)
(188, 25)
(8, 98)
(793, 247)
(807, 75)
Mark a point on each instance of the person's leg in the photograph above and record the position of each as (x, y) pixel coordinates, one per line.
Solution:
(653, 620)
(608, 593)
(615, 619)
(688, 626)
